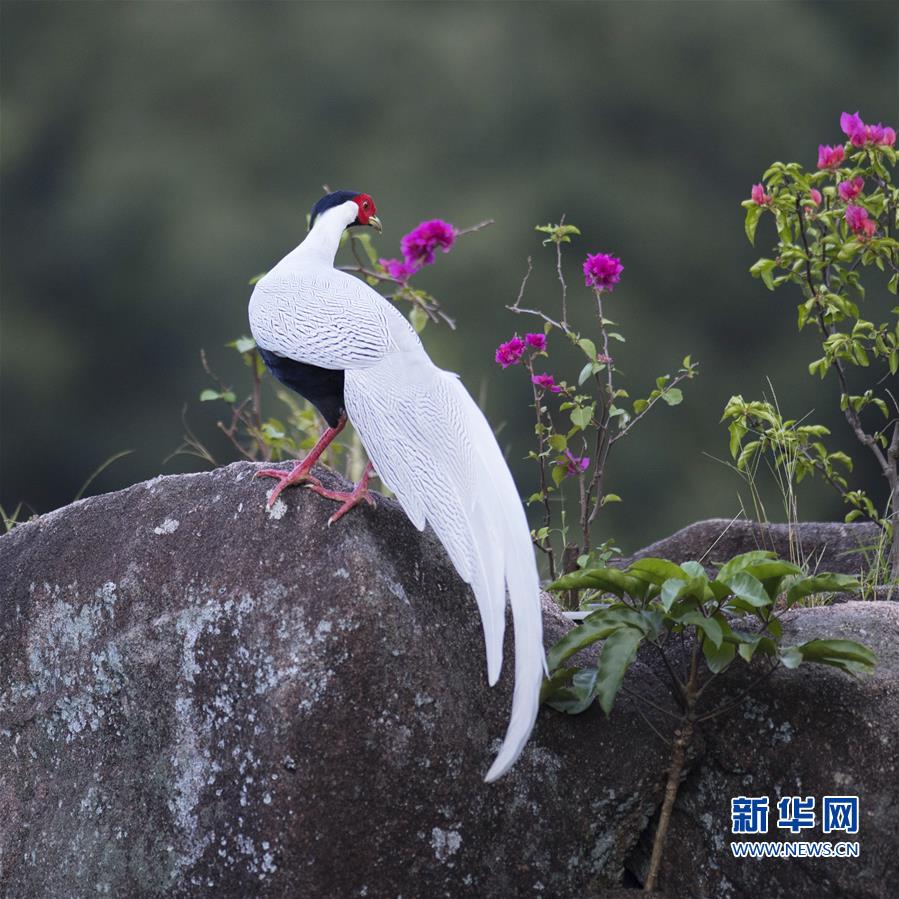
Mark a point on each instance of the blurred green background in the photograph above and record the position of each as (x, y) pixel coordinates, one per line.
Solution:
(155, 156)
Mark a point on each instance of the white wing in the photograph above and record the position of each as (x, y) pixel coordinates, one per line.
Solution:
(435, 450)
(321, 317)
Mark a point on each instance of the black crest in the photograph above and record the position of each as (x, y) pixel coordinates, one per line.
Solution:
(329, 201)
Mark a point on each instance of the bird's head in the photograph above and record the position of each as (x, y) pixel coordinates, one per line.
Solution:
(358, 209)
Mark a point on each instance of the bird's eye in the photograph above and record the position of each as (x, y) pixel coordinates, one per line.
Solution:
(365, 205)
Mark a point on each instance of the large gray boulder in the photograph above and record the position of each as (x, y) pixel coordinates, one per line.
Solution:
(199, 697)
(202, 698)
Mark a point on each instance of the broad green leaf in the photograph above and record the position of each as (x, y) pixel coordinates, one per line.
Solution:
(673, 396)
(582, 416)
(718, 658)
(743, 561)
(618, 652)
(657, 571)
(610, 579)
(694, 569)
(753, 214)
(556, 681)
(418, 318)
(852, 657)
(589, 347)
(749, 589)
(708, 626)
(821, 583)
(593, 628)
(579, 696)
(791, 657)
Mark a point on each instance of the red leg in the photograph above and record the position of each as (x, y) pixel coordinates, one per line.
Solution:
(300, 472)
(359, 494)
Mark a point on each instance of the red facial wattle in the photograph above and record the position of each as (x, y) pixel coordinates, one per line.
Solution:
(366, 208)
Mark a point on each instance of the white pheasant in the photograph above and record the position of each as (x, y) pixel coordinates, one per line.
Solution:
(330, 337)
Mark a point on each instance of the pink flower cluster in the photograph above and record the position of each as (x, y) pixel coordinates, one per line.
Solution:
(400, 271)
(419, 244)
(759, 197)
(511, 351)
(830, 157)
(815, 197)
(860, 134)
(418, 248)
(575, 464)
(547, 382)
(859, 223)
(602, 271)
(849, 190)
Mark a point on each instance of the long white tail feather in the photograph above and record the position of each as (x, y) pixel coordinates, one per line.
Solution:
(452, 475)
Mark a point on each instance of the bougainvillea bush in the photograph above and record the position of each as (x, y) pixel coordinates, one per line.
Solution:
(579, 416)
(836, 242)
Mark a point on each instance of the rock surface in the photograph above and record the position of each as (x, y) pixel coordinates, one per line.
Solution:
(202, 698)
(823, 545)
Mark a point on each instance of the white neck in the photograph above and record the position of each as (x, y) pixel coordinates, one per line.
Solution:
(323, 240)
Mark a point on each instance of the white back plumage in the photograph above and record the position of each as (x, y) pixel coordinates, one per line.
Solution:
(428, 441)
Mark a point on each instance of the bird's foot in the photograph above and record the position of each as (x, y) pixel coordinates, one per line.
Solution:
(359, 494)
(299, 474)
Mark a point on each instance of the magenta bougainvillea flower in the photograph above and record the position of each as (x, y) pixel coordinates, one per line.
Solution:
(815, 196)
(510, 352)
(575, 464)
(602, 271)
(858, 221)
(849, 190)
(605, 359)
(759, 197)
(419, 244)
(547, 382)
(830, 157)
(860, 134)
(537, 341)
(397, 269)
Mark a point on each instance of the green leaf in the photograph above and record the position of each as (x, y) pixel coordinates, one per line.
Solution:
(559, 442)
(586, 372)
(557, 680)
(578, 697)
(718, 658)
(418, 318)
(753, 214)
(657, 571)
(743, 561)
(673, 396)
(243, 344)
(593, 628)
(747, 588)
(618, 652)
(609, 579)
(791, 657)
(851, 657)
(610, 498)
(208, 394)
(710, 627)
(589, 347)
(821, 583)
(582, 416)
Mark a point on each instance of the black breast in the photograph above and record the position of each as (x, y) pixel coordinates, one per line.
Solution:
(323, 387)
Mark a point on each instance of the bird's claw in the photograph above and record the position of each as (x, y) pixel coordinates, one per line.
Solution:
(349, 500)
(298, 475)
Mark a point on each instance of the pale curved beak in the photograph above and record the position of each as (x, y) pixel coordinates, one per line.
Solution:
(375, 222)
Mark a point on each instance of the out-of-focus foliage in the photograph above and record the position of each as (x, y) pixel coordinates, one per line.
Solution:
(155, 153)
